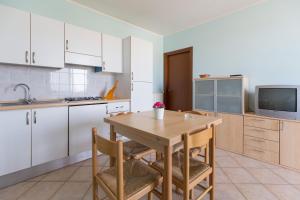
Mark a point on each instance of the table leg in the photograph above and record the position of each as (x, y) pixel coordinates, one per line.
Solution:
(113, 137)
(167, 193)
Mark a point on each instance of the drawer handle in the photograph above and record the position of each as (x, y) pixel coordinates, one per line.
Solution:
(260, 141)
(258, 130)
(259, 151)
(258, 120)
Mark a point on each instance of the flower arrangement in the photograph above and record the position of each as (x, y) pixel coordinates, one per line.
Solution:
(159, 105)
(159, 110)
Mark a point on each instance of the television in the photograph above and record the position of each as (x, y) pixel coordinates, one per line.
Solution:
(281, 101)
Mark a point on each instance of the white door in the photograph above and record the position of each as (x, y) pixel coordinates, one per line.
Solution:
(49, 134)
(82, 41)
(14, 36)
(15, 141)
(47, 42)
(111, 54)
(81, 121)
(141, 60)
(141, 96)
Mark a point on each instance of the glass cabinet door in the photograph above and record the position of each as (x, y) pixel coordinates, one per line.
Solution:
(204, 95)
(229, 96)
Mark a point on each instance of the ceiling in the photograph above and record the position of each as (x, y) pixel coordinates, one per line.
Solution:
(165, 17)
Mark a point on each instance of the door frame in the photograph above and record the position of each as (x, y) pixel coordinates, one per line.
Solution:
(166, 63)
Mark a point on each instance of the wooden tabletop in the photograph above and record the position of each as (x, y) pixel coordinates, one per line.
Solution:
(168, 131)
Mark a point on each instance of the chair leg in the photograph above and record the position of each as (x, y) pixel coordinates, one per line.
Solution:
(95, 190)
(192, 194)
(186, 194)
(212, 183)
(150, 196)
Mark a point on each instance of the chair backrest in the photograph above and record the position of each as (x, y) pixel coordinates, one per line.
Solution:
(113, 149)
(194, 139)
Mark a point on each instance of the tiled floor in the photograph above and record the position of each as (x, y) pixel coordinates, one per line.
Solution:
(237, 178)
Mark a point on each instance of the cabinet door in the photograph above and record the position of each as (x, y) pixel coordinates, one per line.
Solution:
(289, 144)
(49, 134)
(15, 141)
(14, 36)
(205, 95)
(47, 42)
(141, 60)
(111, 53)
(81, 121)
(82, 41)
(229, 135)
(141, 96)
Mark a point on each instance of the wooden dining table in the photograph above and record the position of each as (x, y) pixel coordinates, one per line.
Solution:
(161, 135)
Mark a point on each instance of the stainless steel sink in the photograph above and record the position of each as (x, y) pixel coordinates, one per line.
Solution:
(35, 102)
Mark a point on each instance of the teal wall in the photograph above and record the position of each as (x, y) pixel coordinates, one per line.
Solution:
(262, 42)
(74, 14)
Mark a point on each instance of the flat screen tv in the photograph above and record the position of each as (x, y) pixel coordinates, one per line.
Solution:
(280, 101)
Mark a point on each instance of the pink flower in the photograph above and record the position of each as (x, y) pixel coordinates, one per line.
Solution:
(159, 105)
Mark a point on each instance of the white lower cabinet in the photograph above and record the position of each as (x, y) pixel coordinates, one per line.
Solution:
(81, 121)
(141, 96)
(49, 134)
(15, 141)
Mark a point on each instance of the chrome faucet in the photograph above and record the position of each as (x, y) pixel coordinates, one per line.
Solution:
(26, 88)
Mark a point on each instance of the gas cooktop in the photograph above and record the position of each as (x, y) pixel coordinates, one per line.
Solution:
(82, 98)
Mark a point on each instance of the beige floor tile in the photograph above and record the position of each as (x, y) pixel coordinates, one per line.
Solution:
(285, 192)
(61, 174)
(255, 192)
(41, 191)
(82, 174)
(226, 161)
(89, 194)
(249, 162)
(289, 176)
(227, 192)
(37, 178)
(72, 191)
(266, 176)
(15, 191)
(239, 175)
(221, 177)
(221, 153)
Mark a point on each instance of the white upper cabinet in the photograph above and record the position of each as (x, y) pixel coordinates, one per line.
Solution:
(111, 54)
(14, 36)
(47, 42)
(141, 60)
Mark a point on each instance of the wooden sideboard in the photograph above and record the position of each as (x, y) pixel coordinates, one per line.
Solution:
(268, 139)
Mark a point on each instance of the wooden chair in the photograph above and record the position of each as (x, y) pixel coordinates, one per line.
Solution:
(128, 180)
(133, 149)
(189, 172)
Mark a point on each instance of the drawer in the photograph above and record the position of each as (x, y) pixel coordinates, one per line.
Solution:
(258, 154)
(261, 133)
(261, 144)
(118, 107)
(271, 124)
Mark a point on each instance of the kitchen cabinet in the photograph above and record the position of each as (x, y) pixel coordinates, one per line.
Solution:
(82, 46)
(229, 134)
(15, 141)
(81, 121)
(47, 42)
(289, 144)
(137, 81)
(111, 54)
(14, 36)
(49, 134)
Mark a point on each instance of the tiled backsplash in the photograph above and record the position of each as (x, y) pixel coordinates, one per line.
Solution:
(47, 83)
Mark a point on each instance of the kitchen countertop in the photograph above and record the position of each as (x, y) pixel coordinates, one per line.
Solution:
(60, 104)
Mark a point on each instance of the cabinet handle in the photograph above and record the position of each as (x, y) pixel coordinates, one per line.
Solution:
(255, 140)
(258, 130)
(131, 86)
(33, 59)
(131, 75)
(67, 44)
(257, 150)
(34, 117)
(27, 118)
(26, 57)
(281, 124)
